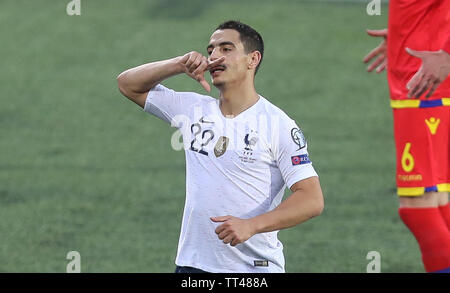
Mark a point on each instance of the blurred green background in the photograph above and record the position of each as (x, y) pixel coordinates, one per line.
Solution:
(82, 168)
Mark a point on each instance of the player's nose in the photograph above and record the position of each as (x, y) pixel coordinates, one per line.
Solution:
(215, 54)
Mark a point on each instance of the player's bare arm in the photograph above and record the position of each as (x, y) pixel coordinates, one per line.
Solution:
(379, 52)
(434, 70)
(305, 202)
(135, 83)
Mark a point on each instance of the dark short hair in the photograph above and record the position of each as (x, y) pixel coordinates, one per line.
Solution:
(250, 38)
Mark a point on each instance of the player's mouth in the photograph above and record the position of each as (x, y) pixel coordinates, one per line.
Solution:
(217, 70)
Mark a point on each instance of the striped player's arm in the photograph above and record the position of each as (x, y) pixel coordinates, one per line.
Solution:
(135, 83)
(305, 202)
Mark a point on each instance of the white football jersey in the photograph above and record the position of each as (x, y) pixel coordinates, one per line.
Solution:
(234, 166)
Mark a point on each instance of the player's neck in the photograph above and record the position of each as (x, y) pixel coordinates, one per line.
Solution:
(235, 100)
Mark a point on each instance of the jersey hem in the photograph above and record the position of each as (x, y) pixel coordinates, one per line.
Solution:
(214, 270)
(413, 103)
(418, 191)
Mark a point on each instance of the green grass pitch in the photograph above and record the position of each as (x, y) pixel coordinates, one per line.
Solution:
(82, 168)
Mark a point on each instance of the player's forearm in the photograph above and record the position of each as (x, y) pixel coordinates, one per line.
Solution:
(299, 207)
(142, 78)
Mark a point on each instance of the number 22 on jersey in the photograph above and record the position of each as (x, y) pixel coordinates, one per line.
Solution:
(199, 140)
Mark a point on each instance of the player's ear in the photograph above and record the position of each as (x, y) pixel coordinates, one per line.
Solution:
(255, 58)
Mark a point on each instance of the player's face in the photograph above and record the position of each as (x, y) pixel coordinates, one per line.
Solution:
(235, 67)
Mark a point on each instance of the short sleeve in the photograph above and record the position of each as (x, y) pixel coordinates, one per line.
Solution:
(167, 104)
(291, 154)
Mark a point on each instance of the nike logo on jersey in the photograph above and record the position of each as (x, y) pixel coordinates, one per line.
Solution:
(202, 120)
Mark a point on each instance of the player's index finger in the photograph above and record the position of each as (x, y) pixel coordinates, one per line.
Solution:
(377, 62)
(412, 82)
(371, 54)
(417, 90)
(216, 62)
(376, 33)
(219, 229)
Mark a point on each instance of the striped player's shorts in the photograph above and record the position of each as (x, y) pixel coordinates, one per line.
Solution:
(422, 132)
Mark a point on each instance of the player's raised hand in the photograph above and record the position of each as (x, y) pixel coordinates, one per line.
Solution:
(233, 230)
(380, 52)
(434, 70)
(195, 65)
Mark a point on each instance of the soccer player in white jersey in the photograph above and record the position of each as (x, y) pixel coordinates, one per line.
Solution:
(241, 153)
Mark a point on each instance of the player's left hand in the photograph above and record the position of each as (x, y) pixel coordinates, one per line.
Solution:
(233, 230)
(380, 52)
(434, 70)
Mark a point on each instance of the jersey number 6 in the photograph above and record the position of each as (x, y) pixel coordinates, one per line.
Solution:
(407, 158)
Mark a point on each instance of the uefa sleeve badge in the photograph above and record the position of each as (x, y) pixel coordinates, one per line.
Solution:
(298, 138)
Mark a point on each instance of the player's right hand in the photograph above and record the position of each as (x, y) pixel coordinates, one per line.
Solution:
(434, 70)
(195, 65)
(381, 51)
